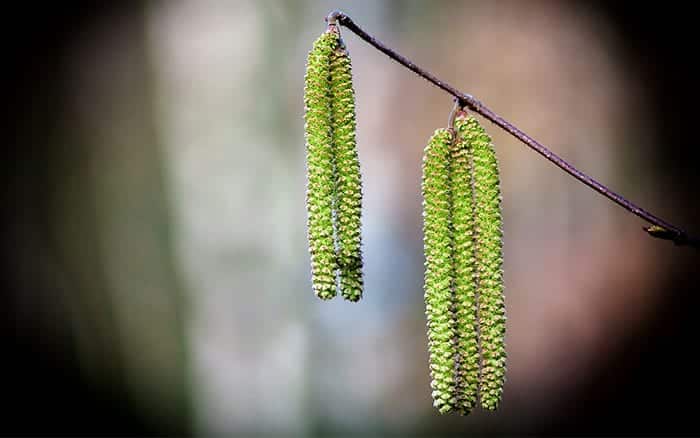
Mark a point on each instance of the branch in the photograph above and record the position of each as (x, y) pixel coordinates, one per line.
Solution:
(659, 229)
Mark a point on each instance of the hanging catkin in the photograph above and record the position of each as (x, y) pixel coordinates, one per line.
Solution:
(488, 241)
(348, 205)
(464, 269)
(320, 158)
(437, 244)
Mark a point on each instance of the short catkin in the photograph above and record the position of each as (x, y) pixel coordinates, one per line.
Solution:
(348, 207)
(437, 242)
(320, 159)
(488, 249)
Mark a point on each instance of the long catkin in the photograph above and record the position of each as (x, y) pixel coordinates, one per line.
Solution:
(464, 269)
(348, 205)
(320, 166)
(488, 241)
(437, 244)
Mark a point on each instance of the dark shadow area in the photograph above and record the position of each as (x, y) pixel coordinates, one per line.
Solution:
(649, 386)
(46, 391)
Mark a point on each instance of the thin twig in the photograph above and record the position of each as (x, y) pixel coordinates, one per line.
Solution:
(659, 229)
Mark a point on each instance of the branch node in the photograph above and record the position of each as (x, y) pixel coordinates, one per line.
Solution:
(333, 17)
(660, 232)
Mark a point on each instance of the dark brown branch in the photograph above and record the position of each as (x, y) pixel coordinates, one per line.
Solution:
(659, 229)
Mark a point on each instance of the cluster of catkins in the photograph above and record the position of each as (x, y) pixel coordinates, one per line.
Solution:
(462, 231)
(462, 228)
(334, 188)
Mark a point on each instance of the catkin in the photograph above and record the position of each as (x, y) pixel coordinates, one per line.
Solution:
(437, 243)
(348, 205)
(320, 166)
(464, 269)
(488, 241)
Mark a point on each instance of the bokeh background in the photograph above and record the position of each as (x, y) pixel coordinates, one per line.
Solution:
(155, 270)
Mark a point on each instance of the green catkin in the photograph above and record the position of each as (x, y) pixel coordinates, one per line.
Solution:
(489, 263)
(348, 206)
(464, 269)
(438, 269)
(320, 166)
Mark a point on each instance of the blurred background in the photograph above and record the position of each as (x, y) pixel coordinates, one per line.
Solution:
(155, 274)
